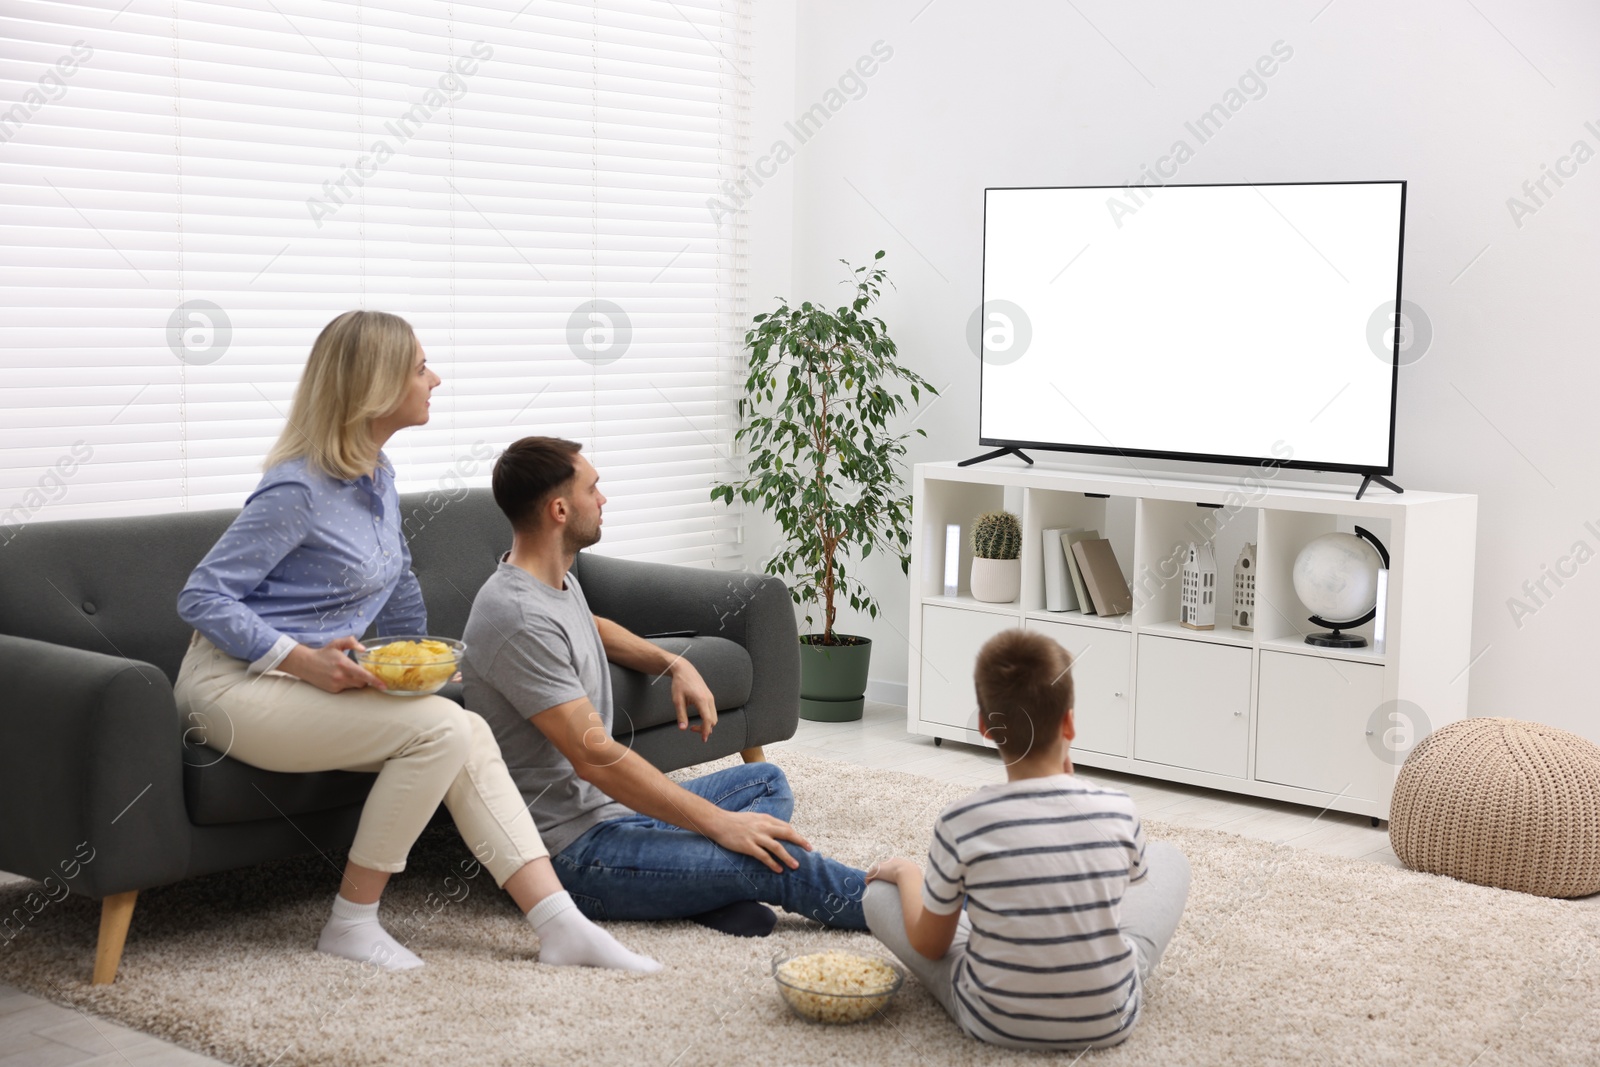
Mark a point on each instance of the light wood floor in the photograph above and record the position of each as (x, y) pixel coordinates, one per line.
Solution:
(37, 1033)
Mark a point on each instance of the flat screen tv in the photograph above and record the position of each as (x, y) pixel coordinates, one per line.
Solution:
(1244, 324)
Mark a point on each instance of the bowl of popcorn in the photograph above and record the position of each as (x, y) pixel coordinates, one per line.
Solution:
(412, 666)
(836, 987)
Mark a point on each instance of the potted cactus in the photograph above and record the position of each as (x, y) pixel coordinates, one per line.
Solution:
(996, 568)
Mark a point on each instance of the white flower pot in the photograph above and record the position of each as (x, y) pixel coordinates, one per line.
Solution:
(996, 581)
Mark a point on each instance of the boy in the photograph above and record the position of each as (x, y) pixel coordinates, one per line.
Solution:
(1067, 908)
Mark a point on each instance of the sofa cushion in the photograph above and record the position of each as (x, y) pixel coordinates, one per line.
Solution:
(229, 791)
(456, 542)
(107, 585)
(111, 585)
(641, 701)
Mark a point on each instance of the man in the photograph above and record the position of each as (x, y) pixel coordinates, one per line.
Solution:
(627, 842)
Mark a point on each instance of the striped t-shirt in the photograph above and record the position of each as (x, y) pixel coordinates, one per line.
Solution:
(1043, 864)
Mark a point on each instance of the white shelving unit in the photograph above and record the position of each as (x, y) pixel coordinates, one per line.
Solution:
(1257, 712)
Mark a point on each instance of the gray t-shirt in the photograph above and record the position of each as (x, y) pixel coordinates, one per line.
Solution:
(529, 648)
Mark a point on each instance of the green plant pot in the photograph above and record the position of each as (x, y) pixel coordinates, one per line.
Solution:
(833, 679)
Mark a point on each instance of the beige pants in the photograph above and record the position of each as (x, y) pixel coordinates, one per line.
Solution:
(424, 750)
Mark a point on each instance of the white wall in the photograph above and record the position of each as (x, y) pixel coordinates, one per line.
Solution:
(1463, 108)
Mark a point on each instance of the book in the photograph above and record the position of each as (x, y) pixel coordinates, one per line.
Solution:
(1103, 578)
(1080, 593)
(1058, 591)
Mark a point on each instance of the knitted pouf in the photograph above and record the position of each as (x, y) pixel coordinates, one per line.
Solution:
(1502, 802)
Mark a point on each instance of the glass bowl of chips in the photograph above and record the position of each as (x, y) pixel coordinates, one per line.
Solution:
(835, 986)
(412, 665)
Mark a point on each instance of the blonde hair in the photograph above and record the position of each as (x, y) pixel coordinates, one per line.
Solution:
(357, 371)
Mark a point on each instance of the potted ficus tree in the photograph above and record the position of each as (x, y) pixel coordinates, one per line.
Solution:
(814, 420)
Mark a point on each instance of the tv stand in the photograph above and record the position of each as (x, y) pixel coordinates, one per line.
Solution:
(996, 454)
(1381, 480)
(1256, 711)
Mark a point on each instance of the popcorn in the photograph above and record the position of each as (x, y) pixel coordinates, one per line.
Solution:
(836, 987)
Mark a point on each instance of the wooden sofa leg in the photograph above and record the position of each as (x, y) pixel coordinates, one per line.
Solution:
(753, 755)
(116, 913)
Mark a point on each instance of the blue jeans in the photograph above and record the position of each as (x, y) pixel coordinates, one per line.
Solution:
(639, 868)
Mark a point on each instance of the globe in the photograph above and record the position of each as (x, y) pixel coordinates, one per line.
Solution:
(1336, 576)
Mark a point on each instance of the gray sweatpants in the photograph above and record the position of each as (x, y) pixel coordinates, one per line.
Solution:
(1150, 914)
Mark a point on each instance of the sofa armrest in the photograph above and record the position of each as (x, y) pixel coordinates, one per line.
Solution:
(91, 770)
(754, 610)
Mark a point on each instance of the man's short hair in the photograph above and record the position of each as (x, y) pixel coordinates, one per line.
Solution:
(1024, 684)
(528, 473)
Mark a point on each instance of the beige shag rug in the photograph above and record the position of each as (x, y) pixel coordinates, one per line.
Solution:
(1283, 957)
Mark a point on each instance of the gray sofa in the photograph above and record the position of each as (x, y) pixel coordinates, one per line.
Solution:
(96, 761)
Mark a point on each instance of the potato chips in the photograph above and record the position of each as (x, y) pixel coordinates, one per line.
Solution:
(413, 666)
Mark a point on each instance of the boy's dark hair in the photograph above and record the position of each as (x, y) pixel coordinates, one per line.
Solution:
(1024, 684)
(528, 473)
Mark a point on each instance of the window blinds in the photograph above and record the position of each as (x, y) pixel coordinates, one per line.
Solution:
(194, 189)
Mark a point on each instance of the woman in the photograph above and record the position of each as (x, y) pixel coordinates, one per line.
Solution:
(314, 558)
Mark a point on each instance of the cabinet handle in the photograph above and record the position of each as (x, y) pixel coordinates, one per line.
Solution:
(1237, 714)
(1116, 694)
(1369, 733)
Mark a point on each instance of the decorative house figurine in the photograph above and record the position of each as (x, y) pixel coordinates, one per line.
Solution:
(1244, 589)
(1197, 605)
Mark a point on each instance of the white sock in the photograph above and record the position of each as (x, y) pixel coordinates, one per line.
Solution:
(568, 939)
(353, 932)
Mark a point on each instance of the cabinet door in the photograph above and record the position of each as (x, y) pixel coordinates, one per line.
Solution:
(1101, 671)
(1311, 728)
(951, 638)
(1192, 705)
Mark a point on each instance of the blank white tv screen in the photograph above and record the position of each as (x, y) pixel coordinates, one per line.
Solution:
(1235, 323)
